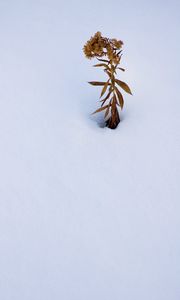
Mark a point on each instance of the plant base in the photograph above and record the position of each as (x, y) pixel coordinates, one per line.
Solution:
(113, 121)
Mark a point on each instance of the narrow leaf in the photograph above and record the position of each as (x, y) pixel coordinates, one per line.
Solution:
(120, 97)
(119, 52)
(122, 69)
(106, 97)
(104, 88)
(124, 86)
(97, 83)
(100, 109)
(104, 60)
(111, 76)
(101, 65)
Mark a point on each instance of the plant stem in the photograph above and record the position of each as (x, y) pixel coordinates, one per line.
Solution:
(114, 119)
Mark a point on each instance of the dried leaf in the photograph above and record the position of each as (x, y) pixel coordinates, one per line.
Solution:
(122, 69)
(111, 76)
(119, 52)
(97, 83)
(106, 96)
(104, 88)
(120, 98)
(103, 103)
(124, 86)
(100, 109)
(101, 65)
(104, 60)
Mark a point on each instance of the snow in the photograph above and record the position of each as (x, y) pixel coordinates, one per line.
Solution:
(88, 212)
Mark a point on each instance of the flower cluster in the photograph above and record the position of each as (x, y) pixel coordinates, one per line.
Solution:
(99, 46)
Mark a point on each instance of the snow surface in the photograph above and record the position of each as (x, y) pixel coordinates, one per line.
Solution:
(87, 212)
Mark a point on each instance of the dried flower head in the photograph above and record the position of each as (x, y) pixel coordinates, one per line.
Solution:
(94, 47)
(99, 46)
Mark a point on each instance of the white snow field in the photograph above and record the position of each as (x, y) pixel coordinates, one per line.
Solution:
(88, 213)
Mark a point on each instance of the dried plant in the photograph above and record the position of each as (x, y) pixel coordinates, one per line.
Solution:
(110, 50)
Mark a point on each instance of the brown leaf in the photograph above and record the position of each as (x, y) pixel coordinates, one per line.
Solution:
(106, 96)
(96, 83)
(108, 73)
(124, 86)
(119, 52)
(104, 60)
(120, 98)
(100, 109)
(104, 88)
(111, 76)
(122, 69)
(104, 100)
(101, 65)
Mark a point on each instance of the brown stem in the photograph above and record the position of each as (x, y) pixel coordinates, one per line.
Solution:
(114, 119)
